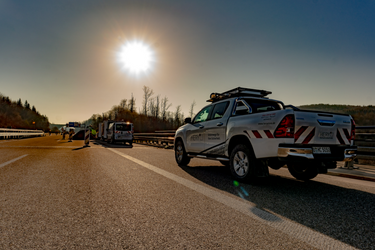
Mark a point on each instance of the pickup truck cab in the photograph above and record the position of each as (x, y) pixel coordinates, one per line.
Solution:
(120, 132)
(249, 132)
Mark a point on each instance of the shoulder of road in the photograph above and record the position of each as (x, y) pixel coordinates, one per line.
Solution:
(359, 171)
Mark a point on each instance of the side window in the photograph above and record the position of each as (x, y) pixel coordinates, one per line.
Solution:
(241, 109)
(202, 115)
(219, 110)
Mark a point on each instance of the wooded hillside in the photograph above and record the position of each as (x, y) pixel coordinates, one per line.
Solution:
(15, 114)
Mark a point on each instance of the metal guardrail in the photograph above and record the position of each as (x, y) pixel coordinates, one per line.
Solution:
(365, 142)
(161, 138)
(8, 133)
(166, 138)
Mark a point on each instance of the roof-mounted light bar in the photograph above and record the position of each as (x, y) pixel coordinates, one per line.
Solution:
(239, 91)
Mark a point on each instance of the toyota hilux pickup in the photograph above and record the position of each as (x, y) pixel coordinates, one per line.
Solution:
(245, 130)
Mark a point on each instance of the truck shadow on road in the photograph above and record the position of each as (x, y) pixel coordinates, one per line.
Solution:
(108, 145)
(345, 214)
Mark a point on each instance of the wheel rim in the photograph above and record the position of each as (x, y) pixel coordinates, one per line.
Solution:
(241, 164)
(179, 152)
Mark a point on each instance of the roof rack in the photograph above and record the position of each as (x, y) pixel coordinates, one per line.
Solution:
(239, 91)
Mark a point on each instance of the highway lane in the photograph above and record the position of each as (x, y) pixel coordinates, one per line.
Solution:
(61, 195)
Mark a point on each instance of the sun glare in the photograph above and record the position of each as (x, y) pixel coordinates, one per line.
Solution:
(136, 57)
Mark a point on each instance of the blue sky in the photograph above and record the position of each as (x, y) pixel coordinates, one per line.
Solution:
(61, 55)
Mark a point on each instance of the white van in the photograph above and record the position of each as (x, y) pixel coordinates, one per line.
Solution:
(120, 132)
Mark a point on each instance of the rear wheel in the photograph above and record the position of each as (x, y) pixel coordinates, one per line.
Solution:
(180, 154)
(303, 170)
(242, 163)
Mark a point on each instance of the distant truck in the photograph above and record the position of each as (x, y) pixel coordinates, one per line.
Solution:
(248, 132)
(116, 131)
(103, 129)
(100, 131)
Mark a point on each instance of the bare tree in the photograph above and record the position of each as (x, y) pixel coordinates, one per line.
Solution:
(147, 93)
(132, 104)
(164, 108)
(177, 115)
(123, 104)
(157, 106)
(151, 107)
(192, 109)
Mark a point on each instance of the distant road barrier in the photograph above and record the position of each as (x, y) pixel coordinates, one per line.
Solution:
(11, 133)
(365, 141)
(164, 138)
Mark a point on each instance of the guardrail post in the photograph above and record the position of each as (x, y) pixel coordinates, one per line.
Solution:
(349, 164)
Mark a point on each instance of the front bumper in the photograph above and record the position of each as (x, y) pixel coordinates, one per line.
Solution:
(305, 152)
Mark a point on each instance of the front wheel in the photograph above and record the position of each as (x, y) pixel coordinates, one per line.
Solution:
(242, 164)
(180, 154)
(303, 170)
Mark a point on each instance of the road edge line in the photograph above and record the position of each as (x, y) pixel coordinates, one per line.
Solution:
(11, 161)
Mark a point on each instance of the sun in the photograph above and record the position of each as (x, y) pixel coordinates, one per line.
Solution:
(136, 57)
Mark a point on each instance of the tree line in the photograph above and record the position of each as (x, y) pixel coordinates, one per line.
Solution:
(153, 115)
(15, 114)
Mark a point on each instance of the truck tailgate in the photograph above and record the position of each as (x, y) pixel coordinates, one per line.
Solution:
(313, 127)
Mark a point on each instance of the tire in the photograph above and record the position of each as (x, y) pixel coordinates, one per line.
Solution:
(242, 164)
(131, 143)
(112, 140)
(180, 154)
(303, 171)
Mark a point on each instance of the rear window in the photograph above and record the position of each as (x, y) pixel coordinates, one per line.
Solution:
(123, 127)
(219, 110)
(262, 106)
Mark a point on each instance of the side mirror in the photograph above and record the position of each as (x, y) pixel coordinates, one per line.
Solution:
(188, 120)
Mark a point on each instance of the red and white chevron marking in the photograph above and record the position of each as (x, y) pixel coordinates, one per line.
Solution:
(302, 135)
(343, 136)
(260, 134)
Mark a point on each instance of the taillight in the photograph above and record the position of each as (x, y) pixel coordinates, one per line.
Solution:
(285, 128)
(352, 133)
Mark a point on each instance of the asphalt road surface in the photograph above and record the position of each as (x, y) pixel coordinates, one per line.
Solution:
(56, 194)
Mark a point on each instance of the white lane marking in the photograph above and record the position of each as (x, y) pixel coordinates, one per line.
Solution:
(293, 229)
(8, 162)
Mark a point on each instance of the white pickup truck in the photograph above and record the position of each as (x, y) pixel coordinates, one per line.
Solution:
(248, 132)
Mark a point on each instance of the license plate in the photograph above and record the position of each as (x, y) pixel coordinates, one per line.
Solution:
(321, 150)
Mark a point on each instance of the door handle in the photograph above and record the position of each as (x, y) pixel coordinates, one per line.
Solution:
(219, 124)
(201, 126)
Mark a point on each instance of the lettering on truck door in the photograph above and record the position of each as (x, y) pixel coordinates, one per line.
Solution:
(196, 131)
(215, 130)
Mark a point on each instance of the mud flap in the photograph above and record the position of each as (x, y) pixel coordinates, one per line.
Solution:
(262, 169)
